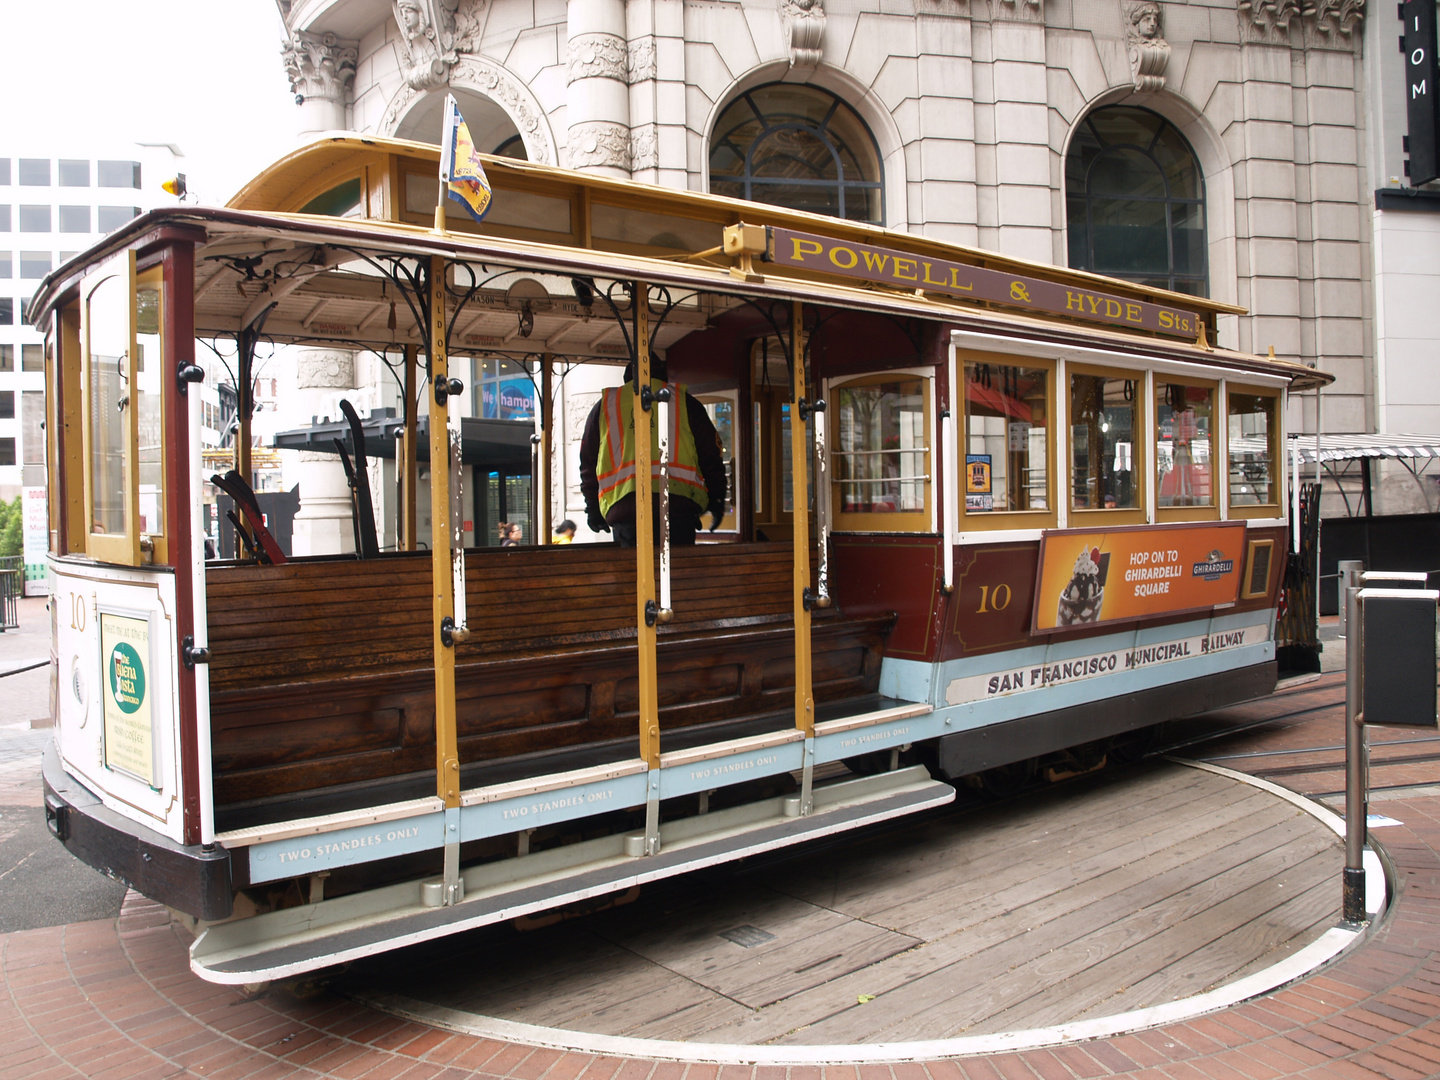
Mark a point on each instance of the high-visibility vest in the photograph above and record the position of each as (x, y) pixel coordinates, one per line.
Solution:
(615, 471)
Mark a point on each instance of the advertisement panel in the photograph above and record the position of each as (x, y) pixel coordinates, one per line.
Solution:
(35, 524)
(1093, 576)
(125, 695)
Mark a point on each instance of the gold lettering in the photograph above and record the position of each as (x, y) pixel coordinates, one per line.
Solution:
(1167, 320)
(928, 279)
(899, 273)
(1112, 309)
(810, 247)
(1074, 301)
(1094, 302)
(875, 261)
(1018, 291)
(835, 253)
(1132, 312)
(955, 281)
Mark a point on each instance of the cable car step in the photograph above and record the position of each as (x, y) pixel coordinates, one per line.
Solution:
(304, 938)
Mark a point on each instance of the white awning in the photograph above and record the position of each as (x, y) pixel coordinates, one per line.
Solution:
(1352, 447)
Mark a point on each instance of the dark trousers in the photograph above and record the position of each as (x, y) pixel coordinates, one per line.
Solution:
(682, 532)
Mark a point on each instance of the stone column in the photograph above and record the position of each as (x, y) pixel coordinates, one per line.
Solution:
(598, 96)
(323, 522)
(321, 68)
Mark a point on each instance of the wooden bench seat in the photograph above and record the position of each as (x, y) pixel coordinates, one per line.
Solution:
(321, 672)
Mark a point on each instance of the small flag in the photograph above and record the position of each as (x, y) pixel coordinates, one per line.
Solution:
(460, 168)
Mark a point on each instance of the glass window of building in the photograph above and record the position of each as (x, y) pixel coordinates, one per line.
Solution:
(35, 219)
(34, 264)
(4, 217)
(882, 453)
(7, 404)
(1184, 473)
(7, 264)
(32, 357)
(504, 389)
(121, 174)
(7, 310)
(111, 218)
(5, 171)
(25, 311)
(1007, 438)
(1135, 201)
(75, 219)
(799, 147)
(7, 451)
(34, 172)
(1105, 418)
(32, 426)
(513, 147)
(7, 357)
(1253, 438)
(74, 173)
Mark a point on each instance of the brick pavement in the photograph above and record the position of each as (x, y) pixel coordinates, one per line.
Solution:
(115, 999)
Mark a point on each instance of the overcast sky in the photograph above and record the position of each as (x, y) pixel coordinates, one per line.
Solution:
(83, 77)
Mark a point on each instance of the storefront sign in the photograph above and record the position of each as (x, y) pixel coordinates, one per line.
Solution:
(887, 267)
(126, 695)
(1089, 577)
(36, 526)
(1422, 96)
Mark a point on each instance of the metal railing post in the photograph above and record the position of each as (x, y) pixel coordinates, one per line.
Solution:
(1349, 578)
(1353, 890)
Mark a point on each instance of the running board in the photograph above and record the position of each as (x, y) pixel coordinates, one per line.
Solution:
(300, 939)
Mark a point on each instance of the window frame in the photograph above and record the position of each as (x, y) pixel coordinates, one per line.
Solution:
(993, 520)
(1097, 517)
(902, 521)
(123, 548)
(1187, 513)
(1276, 508)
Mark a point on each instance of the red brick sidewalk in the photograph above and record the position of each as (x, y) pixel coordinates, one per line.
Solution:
(117, 1000)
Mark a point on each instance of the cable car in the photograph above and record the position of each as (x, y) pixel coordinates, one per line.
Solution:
(984, 517)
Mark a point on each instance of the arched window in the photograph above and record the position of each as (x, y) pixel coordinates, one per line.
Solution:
(798, 147)
(1135, 200)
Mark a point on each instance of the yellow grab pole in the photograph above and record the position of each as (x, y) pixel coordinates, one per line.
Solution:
(411, 476)
(644, 531)
(447, 751)
(799, 463)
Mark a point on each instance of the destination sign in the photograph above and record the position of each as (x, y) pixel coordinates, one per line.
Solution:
(886, 267)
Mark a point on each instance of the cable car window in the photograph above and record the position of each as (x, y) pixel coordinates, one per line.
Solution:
(1007, 438)
(1105, 418)
(1184, 464)
(150, 459)
(882, 453)
(109, 339)
(1253, 435)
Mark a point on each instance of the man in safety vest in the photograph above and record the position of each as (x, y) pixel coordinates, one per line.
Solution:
(607, 463)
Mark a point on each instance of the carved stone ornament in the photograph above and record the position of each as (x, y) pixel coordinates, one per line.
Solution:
(1018, 10)
(486, 77)
(433, 34)
(597, 56)
(942, 7)
(642, 62)
(1144, 44)
(804, 30)
(320, 65)
(645, 147)
(599, 143)
(325, 369)
(1323, 24)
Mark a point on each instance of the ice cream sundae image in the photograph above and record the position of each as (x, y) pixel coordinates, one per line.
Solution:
(1080, 600)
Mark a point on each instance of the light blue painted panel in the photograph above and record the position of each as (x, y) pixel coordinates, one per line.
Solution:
(862, 740)
(732, 769)
(550, 807)
(345, 847)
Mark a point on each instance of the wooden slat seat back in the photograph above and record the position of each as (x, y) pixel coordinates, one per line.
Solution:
(321, 671)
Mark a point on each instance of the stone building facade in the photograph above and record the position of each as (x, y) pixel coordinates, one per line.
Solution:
(983, 117)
